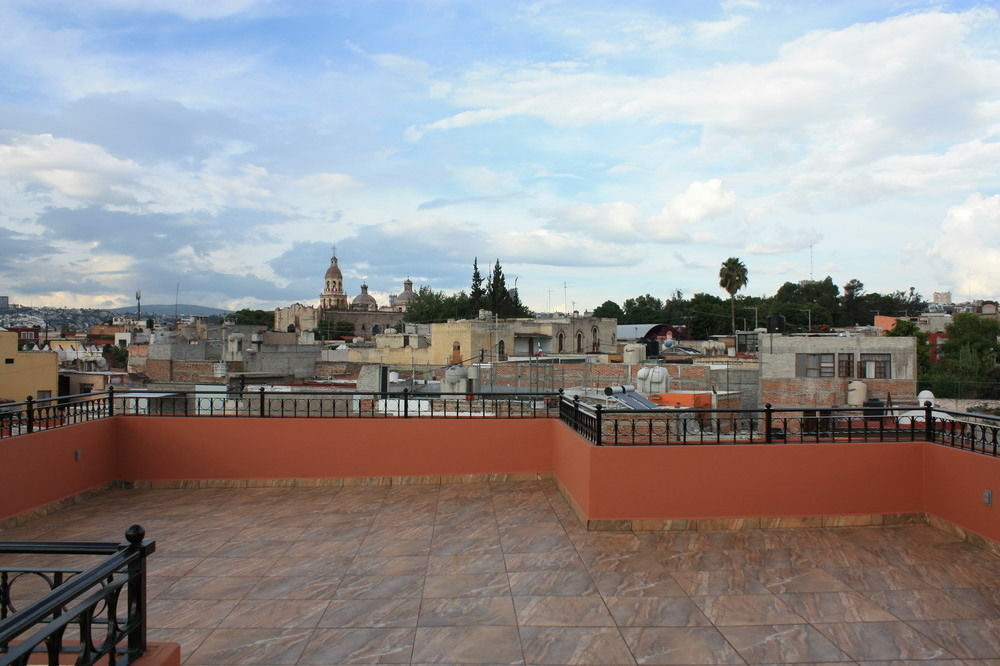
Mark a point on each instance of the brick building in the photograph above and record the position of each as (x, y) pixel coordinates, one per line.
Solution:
(816, 370)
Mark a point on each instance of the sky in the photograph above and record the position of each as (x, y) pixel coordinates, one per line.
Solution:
(599, 150)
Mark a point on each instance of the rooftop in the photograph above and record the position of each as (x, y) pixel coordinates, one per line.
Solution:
(506, 573)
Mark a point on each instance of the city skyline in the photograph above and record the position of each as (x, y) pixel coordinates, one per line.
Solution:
(620, 151)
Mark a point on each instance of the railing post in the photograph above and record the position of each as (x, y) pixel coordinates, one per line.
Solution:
(137, 591)
(768, 414)
(111, 400)
(261, 402)
(929, 421)
(599, 436)
(29, 411)
(576, 413)
(406, 403)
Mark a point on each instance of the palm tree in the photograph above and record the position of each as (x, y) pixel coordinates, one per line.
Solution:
(733, 277)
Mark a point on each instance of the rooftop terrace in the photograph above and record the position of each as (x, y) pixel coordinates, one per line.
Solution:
(506, 573)
(520, 538)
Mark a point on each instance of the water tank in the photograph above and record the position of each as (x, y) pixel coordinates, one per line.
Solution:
(393, 377)
(634, 354)
(624, 388)
(776, 323)
(473, 372)
(857, 393)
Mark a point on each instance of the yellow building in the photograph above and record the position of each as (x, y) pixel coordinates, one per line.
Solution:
(33, 373)
(466, 341)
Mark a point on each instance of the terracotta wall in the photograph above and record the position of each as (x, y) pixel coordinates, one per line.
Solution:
(248, 448)
(954, 481)
(571, 460)
(774, 480)
(41, 468)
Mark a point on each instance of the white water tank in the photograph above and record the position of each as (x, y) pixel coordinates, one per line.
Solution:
(857, 393)
(634, 354)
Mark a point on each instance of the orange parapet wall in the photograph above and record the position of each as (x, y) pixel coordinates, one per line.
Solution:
(45, 467)
(167, 448)
(759, 480)
(954, 483)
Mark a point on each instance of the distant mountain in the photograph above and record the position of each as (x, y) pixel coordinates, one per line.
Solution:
(181, 309)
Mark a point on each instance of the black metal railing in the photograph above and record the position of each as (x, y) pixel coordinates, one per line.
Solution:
(34, 415)
(21, 418)
(772, 425)
(96, 614)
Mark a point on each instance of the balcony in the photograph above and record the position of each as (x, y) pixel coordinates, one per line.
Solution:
(383, 537)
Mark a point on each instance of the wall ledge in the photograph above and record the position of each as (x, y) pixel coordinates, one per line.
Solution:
(44, 510)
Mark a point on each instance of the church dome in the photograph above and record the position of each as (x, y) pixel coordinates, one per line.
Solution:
(364, 299)
(333, 272)
(407, 296)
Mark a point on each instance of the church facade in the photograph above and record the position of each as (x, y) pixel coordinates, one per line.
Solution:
(337, 316)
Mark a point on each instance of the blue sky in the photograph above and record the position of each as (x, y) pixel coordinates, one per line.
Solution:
(617, 148)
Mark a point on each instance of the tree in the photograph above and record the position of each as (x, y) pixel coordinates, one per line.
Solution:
(970, 330)
(642, 310)
(609, 309)
(477, 295)
(852, 307)
(434, 306)
(500, 300)
(733, 276)
(247, 317)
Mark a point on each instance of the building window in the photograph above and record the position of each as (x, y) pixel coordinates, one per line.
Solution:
(561, 341)
(579, 342)
(9, 361)
(814, 365)
(875, 366)
(845, 365)
(42, 395)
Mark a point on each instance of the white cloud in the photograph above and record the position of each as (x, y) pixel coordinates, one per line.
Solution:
(700, 201)
(966, 246)
(617, 221)
(330, 181)
(77, 170)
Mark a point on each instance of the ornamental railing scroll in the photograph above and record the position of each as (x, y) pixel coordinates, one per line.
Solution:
(97, 614)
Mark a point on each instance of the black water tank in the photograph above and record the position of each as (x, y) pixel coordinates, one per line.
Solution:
(874, 407)
(776, 323)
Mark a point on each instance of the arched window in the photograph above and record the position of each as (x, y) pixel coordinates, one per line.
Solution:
(562, 339)
(579, 342)
(501, 350)
(376, 329)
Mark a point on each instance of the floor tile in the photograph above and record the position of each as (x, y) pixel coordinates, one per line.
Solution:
(656, 612)
(467, 645)
(865, 641)
(680, 645)
(358, 646)
(782, 644)
(969, 639)
(562, 611)
(746, 609)
(575, 645)
(444, 612)
(550, 583)
(274, 614)
(836, 607)
(371, 613)
(251, 646)
(467, 585)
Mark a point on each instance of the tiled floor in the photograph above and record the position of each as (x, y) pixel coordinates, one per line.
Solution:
(505, 574)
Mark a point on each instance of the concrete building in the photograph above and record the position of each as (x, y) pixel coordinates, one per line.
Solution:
(24, 373)
(467, 341)
(816, 370)
(572, 334)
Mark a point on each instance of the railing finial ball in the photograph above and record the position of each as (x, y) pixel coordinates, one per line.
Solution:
(135, 534)
(928, 404)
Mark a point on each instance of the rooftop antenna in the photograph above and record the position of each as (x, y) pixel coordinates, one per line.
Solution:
(177, 296)
(811, 278)
(138, 305)
(548, 306)
(565, 300)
